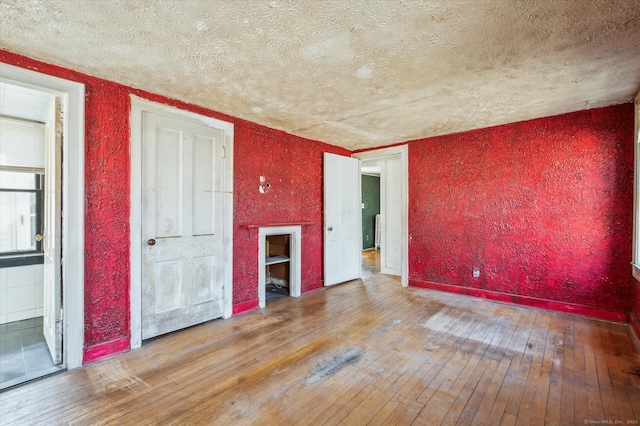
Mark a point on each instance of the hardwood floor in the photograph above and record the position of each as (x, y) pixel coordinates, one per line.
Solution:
(365, 352)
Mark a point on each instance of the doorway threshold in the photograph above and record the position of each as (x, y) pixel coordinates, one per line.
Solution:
(30, 377)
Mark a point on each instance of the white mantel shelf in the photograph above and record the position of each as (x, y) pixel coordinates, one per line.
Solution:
(269, 225)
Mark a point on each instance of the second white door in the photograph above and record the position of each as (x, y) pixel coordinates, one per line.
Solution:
(342, 219)
(182, 223)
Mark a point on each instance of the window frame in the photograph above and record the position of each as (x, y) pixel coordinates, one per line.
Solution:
(28, 257)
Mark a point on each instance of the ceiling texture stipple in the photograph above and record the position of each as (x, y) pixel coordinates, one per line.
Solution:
(353, 73)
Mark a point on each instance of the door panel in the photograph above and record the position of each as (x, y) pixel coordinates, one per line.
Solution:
(391, 209)
(342, 230)
(203, 186)
(51, 244)
(168, 283)
(182, 224)
(168, 177)
(203, 279)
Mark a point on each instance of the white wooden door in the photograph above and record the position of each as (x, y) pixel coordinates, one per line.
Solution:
(342, 219)
(51, 236)
(182, 219)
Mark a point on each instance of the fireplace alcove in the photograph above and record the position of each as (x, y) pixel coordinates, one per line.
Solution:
(290, 255)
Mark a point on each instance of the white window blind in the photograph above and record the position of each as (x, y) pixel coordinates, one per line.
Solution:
(21, 144)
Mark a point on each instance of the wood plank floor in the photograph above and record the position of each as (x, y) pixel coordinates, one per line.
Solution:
(365, 352)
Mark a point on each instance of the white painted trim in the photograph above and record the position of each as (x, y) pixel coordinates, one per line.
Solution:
(295, 259)
(635, 262)
(138, 105)
(403, 152)
(72, 94)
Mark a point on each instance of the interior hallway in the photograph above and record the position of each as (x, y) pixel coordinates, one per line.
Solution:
(365, 352)
(370, 263)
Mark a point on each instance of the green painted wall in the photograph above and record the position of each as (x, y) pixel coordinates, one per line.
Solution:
(371, 201)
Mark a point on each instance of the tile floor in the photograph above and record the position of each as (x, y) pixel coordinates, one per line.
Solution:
(24, 354)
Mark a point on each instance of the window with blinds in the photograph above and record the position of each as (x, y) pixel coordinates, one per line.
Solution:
(21, 145)
(22, 164)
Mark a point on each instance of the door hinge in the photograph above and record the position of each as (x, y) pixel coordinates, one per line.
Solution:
(224, 151)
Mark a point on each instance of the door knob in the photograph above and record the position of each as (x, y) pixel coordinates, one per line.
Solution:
(151, 242)
(39, 237)
(330, 229)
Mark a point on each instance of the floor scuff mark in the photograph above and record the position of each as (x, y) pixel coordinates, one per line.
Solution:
(115, 374)
(331, 365)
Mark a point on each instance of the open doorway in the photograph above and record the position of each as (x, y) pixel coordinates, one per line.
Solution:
(46, 196)
(371, 218)
(388, 252)
(30, 144)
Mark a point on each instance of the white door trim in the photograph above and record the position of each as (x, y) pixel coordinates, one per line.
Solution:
(138, 105)
(73, 192)
(380, 154)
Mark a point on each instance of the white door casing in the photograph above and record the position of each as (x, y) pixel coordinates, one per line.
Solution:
(224, 209)
(182, 223)
(72, 96)
(51, 243)
(342, 219)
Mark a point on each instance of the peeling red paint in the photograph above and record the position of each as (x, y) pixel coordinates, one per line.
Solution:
(543, 208)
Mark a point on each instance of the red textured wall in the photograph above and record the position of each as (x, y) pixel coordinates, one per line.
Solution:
(543, 208)
(107, 176)
(293, 168)
(292, 164)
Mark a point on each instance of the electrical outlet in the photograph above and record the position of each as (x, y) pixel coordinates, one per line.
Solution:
(476, 272)
(367, 238)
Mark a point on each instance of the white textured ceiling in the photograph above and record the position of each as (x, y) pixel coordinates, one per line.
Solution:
(354, 73)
